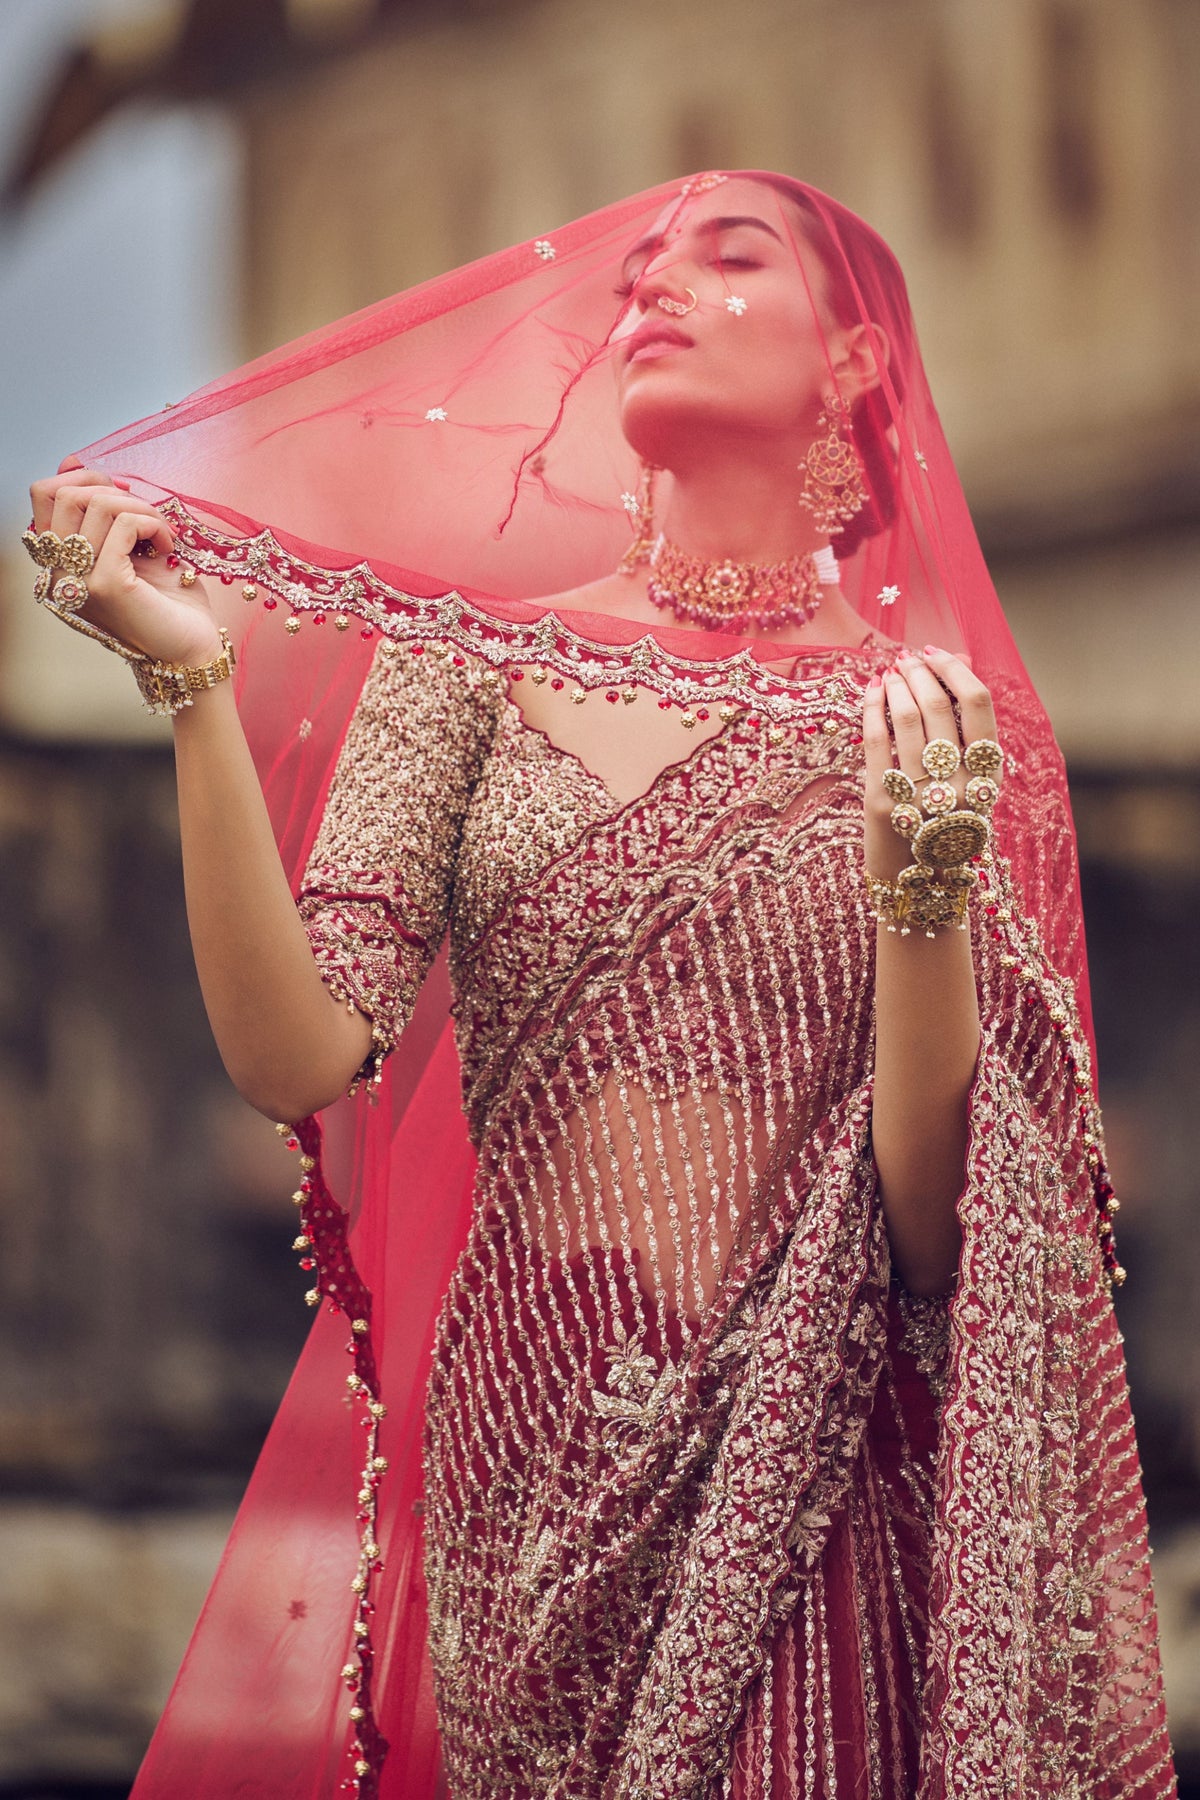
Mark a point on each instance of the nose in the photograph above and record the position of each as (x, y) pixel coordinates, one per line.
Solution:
(664, 277)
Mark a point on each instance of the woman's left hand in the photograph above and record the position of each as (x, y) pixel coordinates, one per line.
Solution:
(916, 695)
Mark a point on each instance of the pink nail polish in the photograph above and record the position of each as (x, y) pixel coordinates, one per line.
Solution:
(932, 650)
(876, 681)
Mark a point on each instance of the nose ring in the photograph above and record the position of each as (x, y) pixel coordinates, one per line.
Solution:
(677, 308)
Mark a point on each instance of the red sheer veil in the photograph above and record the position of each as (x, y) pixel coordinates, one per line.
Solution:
(424, 473)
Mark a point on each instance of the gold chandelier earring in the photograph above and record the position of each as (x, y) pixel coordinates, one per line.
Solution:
(640, 507)
(834, 489)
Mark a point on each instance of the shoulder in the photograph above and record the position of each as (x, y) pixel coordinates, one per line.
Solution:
(436, 678)
(429, 702)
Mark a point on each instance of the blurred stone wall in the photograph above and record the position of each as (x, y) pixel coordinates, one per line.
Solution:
(150, 1308)
(1033, 164)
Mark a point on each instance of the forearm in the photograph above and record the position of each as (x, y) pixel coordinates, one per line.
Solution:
(288, 1044)
(926, 1050)
(926, 1006)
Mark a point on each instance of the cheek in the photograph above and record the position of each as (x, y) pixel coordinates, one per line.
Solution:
(769, 368)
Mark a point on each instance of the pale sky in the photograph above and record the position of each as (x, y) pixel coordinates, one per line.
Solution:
(116, 295)
(116, 283)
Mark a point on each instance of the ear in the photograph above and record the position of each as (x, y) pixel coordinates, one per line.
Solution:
(861, 356)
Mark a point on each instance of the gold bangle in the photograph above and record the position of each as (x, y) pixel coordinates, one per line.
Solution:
(920, 898)
(166, 688)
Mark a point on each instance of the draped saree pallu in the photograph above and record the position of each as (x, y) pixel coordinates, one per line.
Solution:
(618, 1467)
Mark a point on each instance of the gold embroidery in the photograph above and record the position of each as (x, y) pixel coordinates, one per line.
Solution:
(375, 894)
(926, 1337)
(649, 1425)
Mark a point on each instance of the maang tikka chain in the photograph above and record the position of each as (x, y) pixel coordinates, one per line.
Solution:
(834, 490)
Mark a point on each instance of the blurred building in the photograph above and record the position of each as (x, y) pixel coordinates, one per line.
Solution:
(1035, 166)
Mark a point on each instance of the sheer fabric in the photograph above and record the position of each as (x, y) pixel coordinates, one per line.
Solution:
(616, 1466)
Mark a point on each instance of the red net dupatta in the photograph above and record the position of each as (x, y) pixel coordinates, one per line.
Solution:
(606, 1187)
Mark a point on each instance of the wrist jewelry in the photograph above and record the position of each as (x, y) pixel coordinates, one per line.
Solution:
(165, 688)
(945, 838)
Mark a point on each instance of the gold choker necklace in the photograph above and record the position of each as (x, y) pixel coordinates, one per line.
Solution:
(731, 593)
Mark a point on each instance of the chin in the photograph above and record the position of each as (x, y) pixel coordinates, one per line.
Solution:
(660, 424)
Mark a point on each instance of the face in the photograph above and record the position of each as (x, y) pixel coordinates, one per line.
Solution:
(752, 372)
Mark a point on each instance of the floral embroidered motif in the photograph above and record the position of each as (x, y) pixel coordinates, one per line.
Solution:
(375, 894)
(927, 1338)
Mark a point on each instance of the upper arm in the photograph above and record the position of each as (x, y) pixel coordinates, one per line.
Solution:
(375, 894)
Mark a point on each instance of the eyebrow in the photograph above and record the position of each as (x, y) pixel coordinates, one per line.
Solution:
(710, 228)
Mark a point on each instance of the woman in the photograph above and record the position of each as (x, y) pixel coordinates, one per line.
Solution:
(776, 1440)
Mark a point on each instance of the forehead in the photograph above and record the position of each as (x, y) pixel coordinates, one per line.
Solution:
(741, 197)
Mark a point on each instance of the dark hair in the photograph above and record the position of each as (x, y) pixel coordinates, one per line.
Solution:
(865, 281)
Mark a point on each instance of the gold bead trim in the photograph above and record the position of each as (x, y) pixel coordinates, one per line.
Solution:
(323, 1246)
(543, 649)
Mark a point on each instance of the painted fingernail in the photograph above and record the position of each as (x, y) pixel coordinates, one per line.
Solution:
(876, 681)
(933, 650)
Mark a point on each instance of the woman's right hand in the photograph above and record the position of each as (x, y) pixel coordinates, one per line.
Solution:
(138, 599)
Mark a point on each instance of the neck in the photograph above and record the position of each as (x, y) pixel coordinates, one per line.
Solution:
(741, 504)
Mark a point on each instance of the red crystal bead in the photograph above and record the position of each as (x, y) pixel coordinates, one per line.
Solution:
(557, 683)
(701, 713)
(270, 604)
(517, 674)
(366, 633)
(612, 696)
(227, 581)
(417, 649)
(318, 618)
(172, 561)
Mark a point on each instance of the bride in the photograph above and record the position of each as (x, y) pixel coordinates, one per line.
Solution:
(733, 1385)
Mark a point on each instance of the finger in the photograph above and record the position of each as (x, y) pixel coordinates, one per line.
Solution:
(42, 493)
(908, 727)
(122, 531)
(91, 511)
(155, 529)
(974, 702)
(937, 711)
(877, 739)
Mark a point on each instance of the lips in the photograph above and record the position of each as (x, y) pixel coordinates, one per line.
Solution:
(655, 340)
